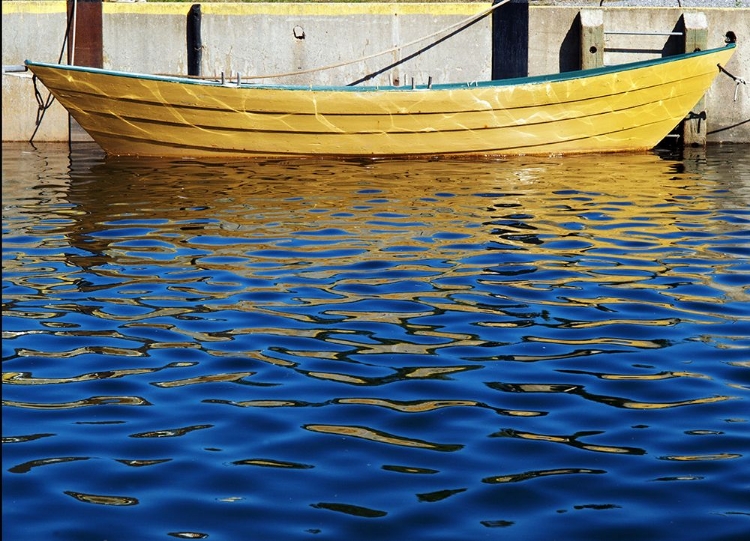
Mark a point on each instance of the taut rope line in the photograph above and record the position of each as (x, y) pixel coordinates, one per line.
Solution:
(465, 22)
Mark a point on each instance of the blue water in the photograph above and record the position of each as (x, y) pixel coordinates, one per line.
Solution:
(534, 348)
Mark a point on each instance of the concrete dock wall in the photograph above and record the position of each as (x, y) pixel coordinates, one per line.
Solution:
(258, 39)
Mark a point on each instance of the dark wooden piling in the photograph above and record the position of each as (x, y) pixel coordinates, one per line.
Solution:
(84, 44)
(194, 41)
(85, 33)
(510, 40)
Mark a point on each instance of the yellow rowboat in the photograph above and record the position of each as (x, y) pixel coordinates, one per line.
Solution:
(628, 107)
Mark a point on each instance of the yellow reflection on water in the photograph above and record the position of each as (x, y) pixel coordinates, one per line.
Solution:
(318, 217)
(270, 463)
(415, 406)
(640, 186)
(693, 458)
(664, 405)
(380, 436)
(93, 401)
(573, 441)
(102, 499)
(208, 378)
(535, 474)
(26, 378)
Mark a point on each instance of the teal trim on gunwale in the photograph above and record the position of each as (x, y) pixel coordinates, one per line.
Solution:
(579, 74)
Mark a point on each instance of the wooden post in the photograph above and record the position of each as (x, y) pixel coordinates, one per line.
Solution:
(194, 42)
(85, 34)
(84, 47)
(510, 40)
(592, 38)
(694, 127)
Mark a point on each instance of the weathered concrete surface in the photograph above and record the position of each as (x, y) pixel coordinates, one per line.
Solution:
(257, 39)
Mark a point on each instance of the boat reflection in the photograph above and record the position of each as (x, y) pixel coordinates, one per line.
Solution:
(368, 210)
(397, 341)
(370, 273)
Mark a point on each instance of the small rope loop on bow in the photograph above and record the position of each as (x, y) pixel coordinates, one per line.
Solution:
(42, 106)
(738, 80)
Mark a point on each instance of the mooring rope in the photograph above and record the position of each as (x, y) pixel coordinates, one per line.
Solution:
(461, 24)
(738, 80)
(42, 104)
(455, 29)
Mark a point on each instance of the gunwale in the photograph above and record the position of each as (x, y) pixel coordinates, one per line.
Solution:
(535, 79)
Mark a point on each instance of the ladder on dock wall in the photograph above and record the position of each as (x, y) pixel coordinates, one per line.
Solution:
(692, 27)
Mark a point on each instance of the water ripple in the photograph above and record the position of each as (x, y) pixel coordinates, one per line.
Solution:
(375, 350)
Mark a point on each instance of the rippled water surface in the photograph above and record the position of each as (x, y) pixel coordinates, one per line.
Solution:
(535, 348)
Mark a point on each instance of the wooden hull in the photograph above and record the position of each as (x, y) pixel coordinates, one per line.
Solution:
(617, 108)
